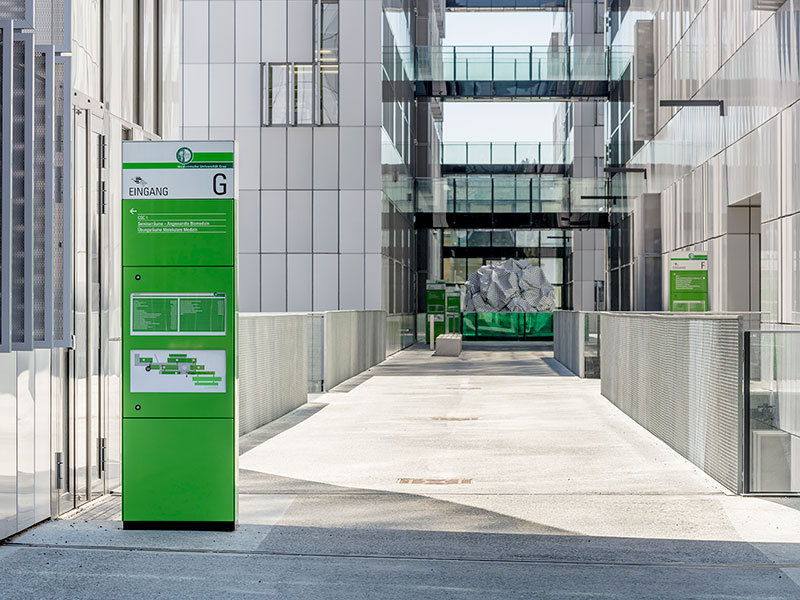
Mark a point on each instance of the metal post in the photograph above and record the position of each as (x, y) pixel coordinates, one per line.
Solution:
(431, 328)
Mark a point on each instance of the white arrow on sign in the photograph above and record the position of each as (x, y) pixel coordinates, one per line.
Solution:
(133, 211)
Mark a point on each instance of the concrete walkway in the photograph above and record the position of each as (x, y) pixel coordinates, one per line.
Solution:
(496, 475)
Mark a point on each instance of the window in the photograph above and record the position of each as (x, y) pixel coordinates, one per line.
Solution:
(307, 93)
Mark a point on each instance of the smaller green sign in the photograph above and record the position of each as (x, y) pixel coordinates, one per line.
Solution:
(202, 315)
(688, 282)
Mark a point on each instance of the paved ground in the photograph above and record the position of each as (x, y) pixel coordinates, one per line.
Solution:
(493, 476)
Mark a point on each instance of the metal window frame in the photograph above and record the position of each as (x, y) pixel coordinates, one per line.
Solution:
(62, 332)
(49, 62)
(5, 217)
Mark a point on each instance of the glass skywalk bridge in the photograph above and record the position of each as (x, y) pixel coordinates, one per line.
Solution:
(522, 72)
(505, 5)
(505, 158)
(542, 202)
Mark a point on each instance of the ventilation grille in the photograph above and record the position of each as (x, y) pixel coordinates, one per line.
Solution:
(4, 291)
(51, 26)
(61, 205)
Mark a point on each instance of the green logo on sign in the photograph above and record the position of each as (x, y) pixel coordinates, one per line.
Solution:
(184, 155)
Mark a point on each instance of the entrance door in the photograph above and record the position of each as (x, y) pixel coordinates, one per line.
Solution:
(86, 375)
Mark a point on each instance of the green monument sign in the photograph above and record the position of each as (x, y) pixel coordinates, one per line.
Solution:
(688, 282)
(434, 307)
(179, 283)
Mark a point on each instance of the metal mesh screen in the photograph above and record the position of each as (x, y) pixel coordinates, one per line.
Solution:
(354, 342)
(14, 9)
(679, 377)
(40, 217)
(273, 367)
(3, 216)
(61, 266)
(51, 25)
(568, 340)
(18, 333)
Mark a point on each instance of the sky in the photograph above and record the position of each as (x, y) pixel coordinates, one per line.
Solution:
(498, 121)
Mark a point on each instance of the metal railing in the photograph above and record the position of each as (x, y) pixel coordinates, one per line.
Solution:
(517, 63)
(506, 153)
(510, 194)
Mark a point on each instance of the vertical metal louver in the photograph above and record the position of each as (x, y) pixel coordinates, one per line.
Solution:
(51, 25)
(6, 86)
(22, 193)
(62, 204)
(43, 198)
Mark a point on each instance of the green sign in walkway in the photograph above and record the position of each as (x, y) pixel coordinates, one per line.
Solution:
(179, 430)
(688, 282)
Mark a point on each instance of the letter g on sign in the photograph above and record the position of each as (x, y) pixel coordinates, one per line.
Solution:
(220, 184)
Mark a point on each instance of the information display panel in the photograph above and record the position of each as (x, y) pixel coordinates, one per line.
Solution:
(179, 341)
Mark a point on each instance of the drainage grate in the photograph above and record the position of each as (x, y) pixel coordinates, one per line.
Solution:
(433, 481)
(454, 418)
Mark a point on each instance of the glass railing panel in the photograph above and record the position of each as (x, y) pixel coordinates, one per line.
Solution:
(503, 154)
(454, 153)
(479, 153)
(514, 63)
(773, 411)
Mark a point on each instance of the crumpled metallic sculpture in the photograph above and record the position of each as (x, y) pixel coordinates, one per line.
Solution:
(509, 286)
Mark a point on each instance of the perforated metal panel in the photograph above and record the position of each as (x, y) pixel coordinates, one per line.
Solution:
(22, 144)
(62, 204)
(679, 377)
(355, 340)
(273, 367)
(52, 27)
(18, 10)
(43, 198)
(6, 87)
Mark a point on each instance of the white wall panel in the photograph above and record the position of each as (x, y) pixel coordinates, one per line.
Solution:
(220, 95)
(222, 133)
(351, 221)
(351, 93)
(298, 221)
(374, 94)
(42, 450)
(372, 281)
(298, 282)
(326, 158)
(373, 28)
(372, 221)
(195, 24)
(273, 31)
(249, 208)
(195, 133)
(299, 156)
(8, 443)
(273, 158)
(351, 25)
(273, 221)
(195, 86)
(248, 95)
(351, 158)
(351, 281)
(326, 221)
(248, 31)
(249, 282)
(222, 31)
(372, 167)
(300, 45)
(249, 139)
(26, 380)
(273, 282)
(326, 282)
